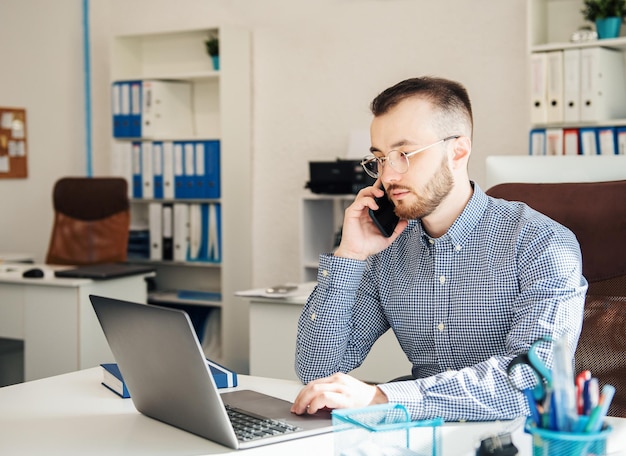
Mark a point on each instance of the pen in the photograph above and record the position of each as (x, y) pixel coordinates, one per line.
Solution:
(596, 418)
(581, 378)
(532, 405)
(591, 395)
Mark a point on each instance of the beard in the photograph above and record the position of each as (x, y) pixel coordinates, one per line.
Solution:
(429, 199)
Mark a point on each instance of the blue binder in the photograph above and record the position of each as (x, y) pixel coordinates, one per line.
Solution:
(179, 177)
(189, 172)
(537, 141)
(136, 106)
(137, 176)
(212, 186)
(116, 108)
(157, 169)
(589, 141)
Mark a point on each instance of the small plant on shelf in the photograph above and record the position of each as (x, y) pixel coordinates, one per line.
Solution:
(601, 9)
(213, 45)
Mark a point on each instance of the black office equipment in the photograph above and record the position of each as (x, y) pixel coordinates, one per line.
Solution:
(104, 271)
(338, 177)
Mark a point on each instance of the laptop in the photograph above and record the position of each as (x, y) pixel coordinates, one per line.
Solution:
(167, 376)
(104, 271)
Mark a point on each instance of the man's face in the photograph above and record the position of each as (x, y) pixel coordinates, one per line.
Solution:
(406, 127)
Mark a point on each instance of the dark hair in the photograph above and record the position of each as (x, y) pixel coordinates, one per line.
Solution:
(449, 98)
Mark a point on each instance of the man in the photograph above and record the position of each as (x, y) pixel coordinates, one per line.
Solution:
(466, 281)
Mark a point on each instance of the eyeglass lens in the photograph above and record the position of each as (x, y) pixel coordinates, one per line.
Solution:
(396, 159)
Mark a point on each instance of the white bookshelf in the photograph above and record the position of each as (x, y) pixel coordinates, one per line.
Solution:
(321, 218)
(550, 24)
(221, 104)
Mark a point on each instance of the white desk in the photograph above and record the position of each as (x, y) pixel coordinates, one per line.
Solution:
(273, 326)
(73, 414)
(54, 318)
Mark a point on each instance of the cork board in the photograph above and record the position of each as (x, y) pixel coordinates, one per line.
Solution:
(13, 143)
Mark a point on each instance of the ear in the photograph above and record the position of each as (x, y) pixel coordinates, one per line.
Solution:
(461, 151)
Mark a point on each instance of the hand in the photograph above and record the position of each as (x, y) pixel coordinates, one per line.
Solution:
(337, 391)
(360, 238)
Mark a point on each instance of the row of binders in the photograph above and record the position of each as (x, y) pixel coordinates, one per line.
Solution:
(185, 232)
(578, 141)
(152, 109)
(169, 169)
(577, 85)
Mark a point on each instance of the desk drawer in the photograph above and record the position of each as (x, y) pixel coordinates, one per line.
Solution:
(11, 311)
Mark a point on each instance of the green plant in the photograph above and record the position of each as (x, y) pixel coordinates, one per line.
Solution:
(213, 45)
(599, 9)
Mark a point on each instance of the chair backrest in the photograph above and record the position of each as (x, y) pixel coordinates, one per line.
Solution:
(91, 221)
(596, 214)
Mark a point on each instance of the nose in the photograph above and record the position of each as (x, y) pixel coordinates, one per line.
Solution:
(389, 175)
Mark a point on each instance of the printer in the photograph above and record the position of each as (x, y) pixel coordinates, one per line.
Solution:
(337, 177)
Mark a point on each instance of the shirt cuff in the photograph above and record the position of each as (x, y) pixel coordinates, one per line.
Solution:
(337, 272)
(407, 393)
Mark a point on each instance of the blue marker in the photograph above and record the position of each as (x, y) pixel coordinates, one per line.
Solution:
(596, 418)
(532, 405)
(591, 395)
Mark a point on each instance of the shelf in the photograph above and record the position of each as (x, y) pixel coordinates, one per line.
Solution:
(172, 201)
(169, 55)
(171, 297)
(172, 263)
(614, 43)
(175, 76)
(603, 123)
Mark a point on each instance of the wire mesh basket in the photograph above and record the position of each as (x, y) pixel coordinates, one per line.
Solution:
(547, 442)
(384, 429)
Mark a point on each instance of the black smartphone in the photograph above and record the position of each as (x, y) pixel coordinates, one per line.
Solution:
(384, 217)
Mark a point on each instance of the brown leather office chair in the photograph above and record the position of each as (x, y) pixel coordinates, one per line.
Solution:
(596, 214)
(91, 221)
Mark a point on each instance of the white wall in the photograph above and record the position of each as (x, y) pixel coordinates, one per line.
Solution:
(316, 66)
(41, 70)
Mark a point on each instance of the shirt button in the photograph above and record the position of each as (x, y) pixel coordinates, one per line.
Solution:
(325, 273)
(442, 279)
(457, 247)
(313, 316)
(441, 326)
(431, 241)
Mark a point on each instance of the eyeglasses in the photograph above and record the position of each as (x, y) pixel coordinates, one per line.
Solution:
(398, 160)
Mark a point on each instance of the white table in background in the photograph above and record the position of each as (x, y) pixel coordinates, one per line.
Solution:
(273, 325)
(54, 317)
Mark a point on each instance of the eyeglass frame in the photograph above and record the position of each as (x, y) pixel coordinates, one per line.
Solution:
(405, 155)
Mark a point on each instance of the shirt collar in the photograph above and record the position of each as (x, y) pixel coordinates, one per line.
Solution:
(465, 223)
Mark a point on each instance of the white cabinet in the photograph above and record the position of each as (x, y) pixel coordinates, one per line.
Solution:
(220, 104)
(577, 91)
(273, 352)
(321, 218)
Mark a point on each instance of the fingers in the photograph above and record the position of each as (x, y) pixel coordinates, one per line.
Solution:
(312, 395)
(337, 391)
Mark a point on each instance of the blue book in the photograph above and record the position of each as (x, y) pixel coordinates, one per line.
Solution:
(113, 380)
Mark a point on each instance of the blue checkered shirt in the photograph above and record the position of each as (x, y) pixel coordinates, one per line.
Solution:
(461, 306)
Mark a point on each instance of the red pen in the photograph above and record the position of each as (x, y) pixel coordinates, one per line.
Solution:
(581, 378)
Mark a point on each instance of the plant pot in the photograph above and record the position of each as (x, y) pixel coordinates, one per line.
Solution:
(216, 62)
(608, 27)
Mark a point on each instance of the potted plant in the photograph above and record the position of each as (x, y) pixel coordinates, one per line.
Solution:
(608, 16)
(213, 49)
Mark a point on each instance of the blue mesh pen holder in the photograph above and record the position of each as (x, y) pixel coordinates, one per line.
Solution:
(384, 429)
(557, 443)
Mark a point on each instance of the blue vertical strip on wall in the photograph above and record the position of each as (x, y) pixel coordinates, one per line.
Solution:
(87, 69)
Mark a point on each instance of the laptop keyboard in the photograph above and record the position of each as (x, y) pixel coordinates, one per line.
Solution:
(251, 427)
